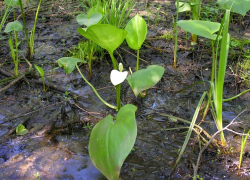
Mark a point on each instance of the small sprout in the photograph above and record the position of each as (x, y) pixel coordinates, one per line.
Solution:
(120, 67)
(21, 130)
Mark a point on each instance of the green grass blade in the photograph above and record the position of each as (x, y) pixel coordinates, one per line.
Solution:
(190, 130)
(243, 144)
(219, 83)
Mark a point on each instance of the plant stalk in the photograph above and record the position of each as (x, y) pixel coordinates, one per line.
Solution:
(137, 62)
(90, 58)
(16, 60)
(33, 31)
(104, 102)
(176, 34)
(24, 23)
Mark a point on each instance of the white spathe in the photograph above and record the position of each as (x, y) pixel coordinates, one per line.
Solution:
(118, 77)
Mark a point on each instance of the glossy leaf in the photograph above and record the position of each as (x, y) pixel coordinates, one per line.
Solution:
(145, 78)
(88, 20)
(183, 6)
(201, 28)
(239, 6)
(13, 26)
(117, 77)
(107, 36)
(21, 130)
(137, 32)
(69, 63)
(110, 143)
(12, 2)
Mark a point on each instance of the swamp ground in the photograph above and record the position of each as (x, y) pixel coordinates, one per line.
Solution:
(56, 146)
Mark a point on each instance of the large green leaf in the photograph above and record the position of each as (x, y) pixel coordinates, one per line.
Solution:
(183, 6)
(201, 28)
(69, 63)
(89, 20)
(107, 36)
(145, 78)
(110, 143)
(12, 2)
(13, 26)
(239, 6)
(137, 32)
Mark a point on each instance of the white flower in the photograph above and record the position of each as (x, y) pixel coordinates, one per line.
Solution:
(118, 77)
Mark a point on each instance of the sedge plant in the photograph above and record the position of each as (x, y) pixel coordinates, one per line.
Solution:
(32, 35)
(243, 144)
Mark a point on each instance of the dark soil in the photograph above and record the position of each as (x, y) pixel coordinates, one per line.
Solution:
(60, 120)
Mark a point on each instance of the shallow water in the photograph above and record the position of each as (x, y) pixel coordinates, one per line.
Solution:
(56, 146)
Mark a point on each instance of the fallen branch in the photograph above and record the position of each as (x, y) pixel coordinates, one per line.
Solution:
(12, 83)
(195, 167)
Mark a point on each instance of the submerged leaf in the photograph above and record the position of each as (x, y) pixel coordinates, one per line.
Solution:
(145, 78)
(13, 26)
(69, 63)
(110, 143)
(137, 32)
(21, 130)
(201, 28)
(107, 36)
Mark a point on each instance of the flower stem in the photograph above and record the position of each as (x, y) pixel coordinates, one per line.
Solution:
(137, 62)
(104, 102)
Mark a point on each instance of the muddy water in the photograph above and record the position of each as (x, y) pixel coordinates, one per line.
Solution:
(56, 146)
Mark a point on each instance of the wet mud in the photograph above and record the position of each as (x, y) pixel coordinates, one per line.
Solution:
(59, 124)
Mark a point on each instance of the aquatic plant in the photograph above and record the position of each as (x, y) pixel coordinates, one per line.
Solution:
(21, 130)
(31, 42)
(110, 38)
(194, 6)
(94, 16)
(115, 12)
(110, 143)
(137, 32)
(41, 72)
(15, 26)
(243, 144)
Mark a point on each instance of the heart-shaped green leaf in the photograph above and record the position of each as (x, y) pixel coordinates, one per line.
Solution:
(145, 78)
(69, 63)
(183, 6)
(137, 32)
(110, 143)
(107, 36)
(97, 8)
(239, 6)
(201, 28)
(13, 26)
(89, 20)
(12, 2)
(21, 130)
